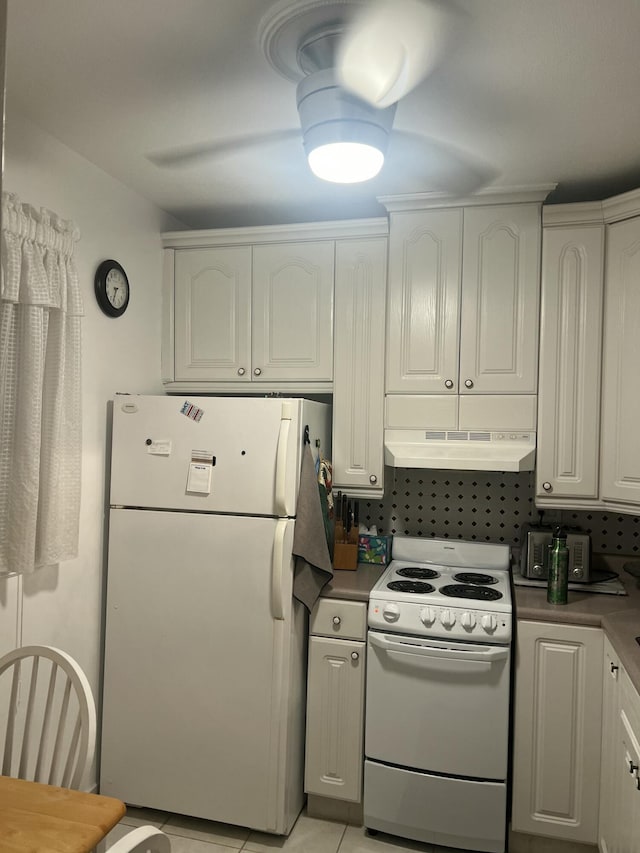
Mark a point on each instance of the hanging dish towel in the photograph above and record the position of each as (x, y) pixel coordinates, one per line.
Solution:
(313, 567)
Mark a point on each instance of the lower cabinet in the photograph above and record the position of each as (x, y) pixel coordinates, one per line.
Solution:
(619, 830)
(557, 731)
(335, 700)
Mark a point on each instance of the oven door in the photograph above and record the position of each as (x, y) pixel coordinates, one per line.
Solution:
(437, 705)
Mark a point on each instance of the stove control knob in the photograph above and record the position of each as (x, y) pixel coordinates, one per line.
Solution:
(489, 623)
(391, 612)
(448, 618)
(468, 620)
(428, 616)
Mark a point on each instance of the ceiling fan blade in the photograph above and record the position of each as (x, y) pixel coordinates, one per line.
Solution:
(441, 166)
(190, 155)
(392, 45)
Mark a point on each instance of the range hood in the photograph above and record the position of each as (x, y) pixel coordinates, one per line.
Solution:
(460, 450)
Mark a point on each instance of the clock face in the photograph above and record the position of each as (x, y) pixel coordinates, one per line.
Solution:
(117, 288)
(112, 288)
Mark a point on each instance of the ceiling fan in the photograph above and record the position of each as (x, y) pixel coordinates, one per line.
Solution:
(352, 61)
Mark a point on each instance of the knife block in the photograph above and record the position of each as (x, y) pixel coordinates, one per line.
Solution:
(345, 556)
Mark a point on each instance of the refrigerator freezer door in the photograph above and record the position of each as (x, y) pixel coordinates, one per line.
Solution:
(255, 444)
(203, 688)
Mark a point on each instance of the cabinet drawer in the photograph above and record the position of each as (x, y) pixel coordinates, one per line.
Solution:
(333, 617)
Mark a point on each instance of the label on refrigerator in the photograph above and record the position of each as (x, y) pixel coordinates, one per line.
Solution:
(159, 447)
(200, 469)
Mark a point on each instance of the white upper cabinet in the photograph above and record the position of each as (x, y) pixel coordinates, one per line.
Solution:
(463, 300)
(358, 387)
(621, 369)
(292, 312)
(254, 313)
(500, 299)
(213, 314)
(570, 355)
(589, 394)
(425, 258)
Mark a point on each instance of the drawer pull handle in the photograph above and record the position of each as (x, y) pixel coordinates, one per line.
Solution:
(614, 668)
(632, 767)
(337, 621)
(355, 656)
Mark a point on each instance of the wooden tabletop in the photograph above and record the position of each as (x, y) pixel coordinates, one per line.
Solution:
(38, 818)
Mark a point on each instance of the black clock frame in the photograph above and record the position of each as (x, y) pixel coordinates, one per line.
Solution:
(100, 284)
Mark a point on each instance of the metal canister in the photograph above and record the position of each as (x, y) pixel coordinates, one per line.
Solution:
(558, 581)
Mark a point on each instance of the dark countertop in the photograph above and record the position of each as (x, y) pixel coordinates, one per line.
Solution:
(618, 615)
(354, 585)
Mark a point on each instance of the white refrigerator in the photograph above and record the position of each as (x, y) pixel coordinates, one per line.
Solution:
(204, 667)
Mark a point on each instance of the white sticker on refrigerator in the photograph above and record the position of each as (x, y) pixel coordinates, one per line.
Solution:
(200, 469)
(159, 447)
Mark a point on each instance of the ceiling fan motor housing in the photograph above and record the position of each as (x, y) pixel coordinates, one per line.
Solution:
(330, 114)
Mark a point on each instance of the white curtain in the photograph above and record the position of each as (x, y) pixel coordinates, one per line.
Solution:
(40, 406)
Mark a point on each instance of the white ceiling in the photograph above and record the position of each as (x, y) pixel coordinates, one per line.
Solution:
(537, 91)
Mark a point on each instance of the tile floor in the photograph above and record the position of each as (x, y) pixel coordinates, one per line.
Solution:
(309, 835)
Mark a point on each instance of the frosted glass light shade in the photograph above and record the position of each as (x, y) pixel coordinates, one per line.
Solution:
(345, 138)
(345, 162)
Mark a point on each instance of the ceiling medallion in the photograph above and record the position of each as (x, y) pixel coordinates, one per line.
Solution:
(288, 31)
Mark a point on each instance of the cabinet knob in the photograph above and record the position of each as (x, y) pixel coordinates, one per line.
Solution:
(632, 767)
(355, 656)
(448, 383)
(373, 479)
(257, 371)
(614, 668)
(241, 371)
(468, 383)
(337, 621)
(547, 487)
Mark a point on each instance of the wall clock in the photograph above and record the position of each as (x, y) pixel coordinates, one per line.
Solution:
(112, 288)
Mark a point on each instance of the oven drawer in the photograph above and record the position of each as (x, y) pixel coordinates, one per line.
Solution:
(435, 810)
(439, 706)
(334, 617)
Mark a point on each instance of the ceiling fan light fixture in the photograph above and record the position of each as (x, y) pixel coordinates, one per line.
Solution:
(344, 137)
(345, 162)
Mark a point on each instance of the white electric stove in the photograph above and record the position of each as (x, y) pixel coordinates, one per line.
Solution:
(438, 688)
(445, 588)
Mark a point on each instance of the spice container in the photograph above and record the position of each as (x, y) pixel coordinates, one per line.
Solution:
(558, 581)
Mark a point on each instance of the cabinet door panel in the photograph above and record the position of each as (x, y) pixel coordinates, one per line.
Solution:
(424, 293)
(213, 313)
(335, 719)
(292, 334)
(358, 387)
(500, 298)
(621, 379)
(570, 359)
(557, 731)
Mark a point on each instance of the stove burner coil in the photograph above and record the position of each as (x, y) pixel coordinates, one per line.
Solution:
(410, 586)
(463, 591)
(417, 572)
(474, 578)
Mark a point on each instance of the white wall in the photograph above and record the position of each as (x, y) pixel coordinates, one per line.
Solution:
(62, 606)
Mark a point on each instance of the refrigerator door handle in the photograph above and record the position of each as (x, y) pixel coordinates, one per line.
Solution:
(282, 453)
(277, 569)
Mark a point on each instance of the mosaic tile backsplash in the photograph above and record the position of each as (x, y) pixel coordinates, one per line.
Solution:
(483, 506)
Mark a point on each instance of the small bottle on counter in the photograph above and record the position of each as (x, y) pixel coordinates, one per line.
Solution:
(558, 582)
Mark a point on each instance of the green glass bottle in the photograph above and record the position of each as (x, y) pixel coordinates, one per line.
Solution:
(558, 582)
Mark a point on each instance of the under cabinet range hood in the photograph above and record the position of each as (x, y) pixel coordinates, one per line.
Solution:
(460, 449)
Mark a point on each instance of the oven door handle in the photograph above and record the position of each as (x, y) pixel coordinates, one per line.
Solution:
(489, 656)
